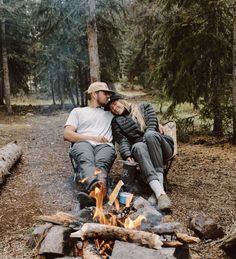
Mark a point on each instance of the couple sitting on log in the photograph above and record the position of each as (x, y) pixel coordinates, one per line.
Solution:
(134, 127)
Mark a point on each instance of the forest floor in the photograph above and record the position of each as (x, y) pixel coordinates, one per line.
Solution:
(202, 179)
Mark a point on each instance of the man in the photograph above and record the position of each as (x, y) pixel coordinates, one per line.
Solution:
(89, 128)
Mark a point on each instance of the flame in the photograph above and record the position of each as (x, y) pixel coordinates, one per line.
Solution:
(104, 247)
(99, 195)
(132, 224)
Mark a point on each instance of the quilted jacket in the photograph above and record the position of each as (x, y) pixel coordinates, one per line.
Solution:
(127, 132)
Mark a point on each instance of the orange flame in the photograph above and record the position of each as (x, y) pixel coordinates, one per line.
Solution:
(99, 194)
(132, 224)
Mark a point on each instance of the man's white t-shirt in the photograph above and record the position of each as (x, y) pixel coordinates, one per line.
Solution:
(91, 121)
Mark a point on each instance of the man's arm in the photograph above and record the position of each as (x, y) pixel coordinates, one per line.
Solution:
(72, 136)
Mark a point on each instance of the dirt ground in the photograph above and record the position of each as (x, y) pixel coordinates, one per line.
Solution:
(202, 179)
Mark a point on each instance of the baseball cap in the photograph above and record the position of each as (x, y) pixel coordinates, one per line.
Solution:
(98, 86)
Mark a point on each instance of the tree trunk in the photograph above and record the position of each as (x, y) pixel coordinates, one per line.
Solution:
(52, 81)
(217, 113)
(234, 79)
(61, 90)
(92, 43)
(1, 91)
(9, 155)
(70, 92)
(77, 88)
(6, 81)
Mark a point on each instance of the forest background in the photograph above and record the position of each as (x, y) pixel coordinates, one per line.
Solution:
(180, 52)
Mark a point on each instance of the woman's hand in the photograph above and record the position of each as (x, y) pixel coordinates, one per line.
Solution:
(161, 129)
(130, 159)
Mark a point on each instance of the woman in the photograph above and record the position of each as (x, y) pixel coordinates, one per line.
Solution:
(135, 128)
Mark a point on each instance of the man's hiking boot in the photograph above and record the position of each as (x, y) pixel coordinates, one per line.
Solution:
(85, 200)
(164, 202)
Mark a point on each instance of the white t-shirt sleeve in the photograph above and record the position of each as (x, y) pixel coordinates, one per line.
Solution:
(73, 119)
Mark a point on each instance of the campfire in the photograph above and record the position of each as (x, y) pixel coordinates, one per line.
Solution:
(110, 218)
(121, 224)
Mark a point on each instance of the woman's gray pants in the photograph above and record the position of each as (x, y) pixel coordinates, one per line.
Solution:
(151, 154)
(88, 158)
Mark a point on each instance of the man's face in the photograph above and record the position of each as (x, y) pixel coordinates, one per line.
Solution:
(102, 97)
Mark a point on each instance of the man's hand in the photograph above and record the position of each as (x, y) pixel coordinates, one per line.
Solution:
(100, 139)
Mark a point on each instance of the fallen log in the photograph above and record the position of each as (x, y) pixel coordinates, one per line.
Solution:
(91, 230)
(9, 155)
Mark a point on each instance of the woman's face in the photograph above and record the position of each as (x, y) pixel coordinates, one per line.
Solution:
(117, 107)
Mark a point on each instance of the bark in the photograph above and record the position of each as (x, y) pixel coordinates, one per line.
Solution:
(93, 43)
(91, 230)
(6, 81)
(234, 79)
(9, 155)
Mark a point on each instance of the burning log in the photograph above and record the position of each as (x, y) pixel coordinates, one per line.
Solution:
(94, 230)
(9, 155)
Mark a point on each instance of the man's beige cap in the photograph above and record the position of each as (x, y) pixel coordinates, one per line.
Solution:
(98, 86)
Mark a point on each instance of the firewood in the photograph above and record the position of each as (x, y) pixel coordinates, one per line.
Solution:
(187, 239)
(59, 218)
(174, 243)
(90, 230)
(9, 155)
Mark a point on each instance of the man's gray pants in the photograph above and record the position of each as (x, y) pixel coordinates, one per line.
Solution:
(88, 158)
(151, 154)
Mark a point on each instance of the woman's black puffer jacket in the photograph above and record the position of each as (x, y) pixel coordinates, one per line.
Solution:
(127, 132)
